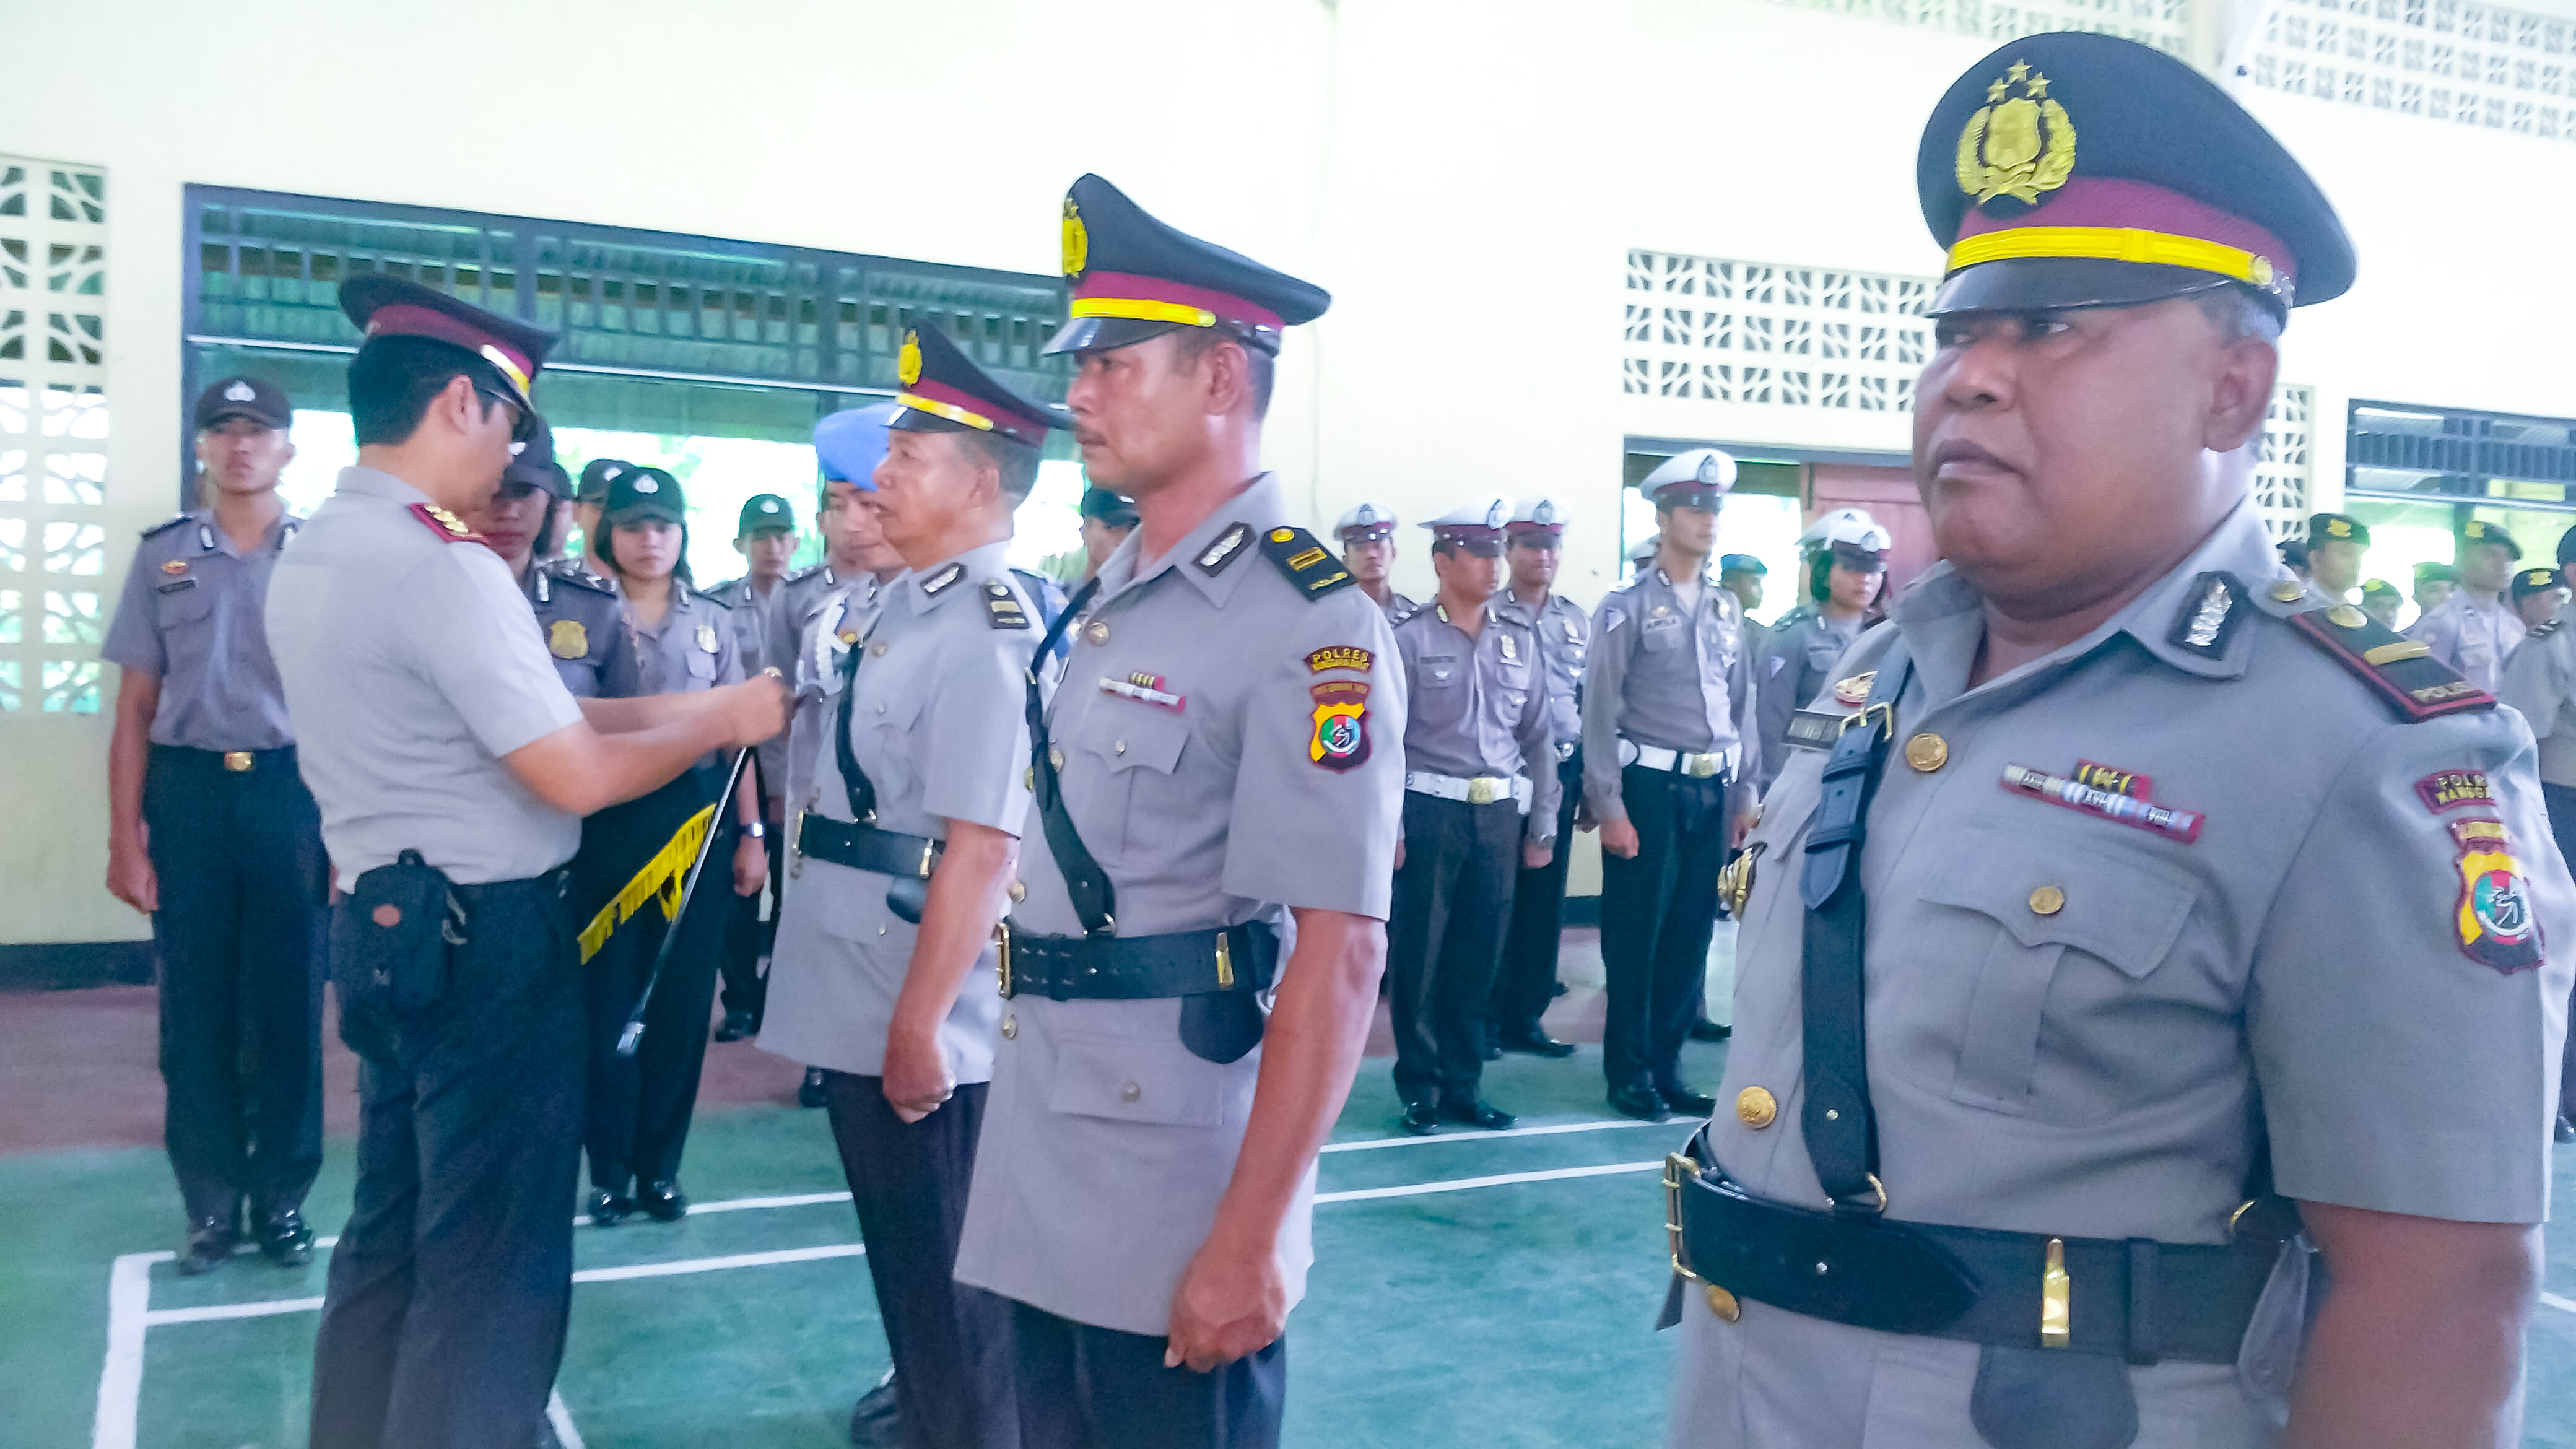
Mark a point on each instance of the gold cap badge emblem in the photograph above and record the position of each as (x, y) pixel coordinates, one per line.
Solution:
(907, 363)
(2016, 145)
(567, 639)
(1077, 240)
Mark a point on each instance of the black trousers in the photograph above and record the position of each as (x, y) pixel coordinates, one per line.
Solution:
(2561, 800)
(243, 883)
(1444, 940)
(1527, 981)
(1085, 1387)
(951, 1343)
(637, 1120)
(1658, 912)
(443, 1323)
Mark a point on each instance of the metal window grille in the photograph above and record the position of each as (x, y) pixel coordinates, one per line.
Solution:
(53, 434)
(1713, 330)
(2281, 472)
(2165, 24)
(2442, 60)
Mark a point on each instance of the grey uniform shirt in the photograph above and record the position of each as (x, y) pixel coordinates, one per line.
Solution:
(1794, 664)
(1398, 608)
(411, 665)
(2540, 683)
(938, 725)
(1664, 675)
(1106, 1143)
(192, 617)
(2475, 639)
(1479, 706)
(1564, 643)
(584, 631)
(2070, 1019)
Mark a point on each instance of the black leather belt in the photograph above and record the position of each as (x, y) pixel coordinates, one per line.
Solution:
(864, 847)
(233, 762)
(1140, 968)
(2135, 1299)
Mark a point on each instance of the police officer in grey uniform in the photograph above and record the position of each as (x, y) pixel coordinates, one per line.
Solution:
(451, 768)
(1642, 552)
(1844, 558)
(576, 610)
(1742, 575)
(215, 837)
(1533, 543)
(1222, 758)
(1107, 519)
(1367, 535)
(2086, 922)
(766, 537)
(1667, 724)
(1480, 803)
(2474, 630)
(887, 970)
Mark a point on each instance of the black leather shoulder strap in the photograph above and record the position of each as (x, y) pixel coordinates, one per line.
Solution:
(863, 791)
(1094, 899)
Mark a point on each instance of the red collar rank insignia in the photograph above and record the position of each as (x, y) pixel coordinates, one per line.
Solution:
(446, 525)
(2398, 669)
(2494, 919)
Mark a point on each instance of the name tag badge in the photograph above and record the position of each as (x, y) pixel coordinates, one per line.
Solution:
(1814, 729)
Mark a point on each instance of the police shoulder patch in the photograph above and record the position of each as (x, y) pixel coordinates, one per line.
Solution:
(943, 580)
(165, 526)
(1002, 607)
(1308, 564)
(449, 527)
(2398, 669)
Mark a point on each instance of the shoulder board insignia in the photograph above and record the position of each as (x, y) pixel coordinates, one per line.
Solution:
(2545, 628)
(2400, 670)
(446, 525)
(1221, 552)
(1002, 607)
(206, 537)
(801, 575)
(713, 598)
(165, 526)
(1814, 729)
(942, 581)
(1404, 610)
(727, 587)
(2210, 614)
(1308, 564)
(580, 578)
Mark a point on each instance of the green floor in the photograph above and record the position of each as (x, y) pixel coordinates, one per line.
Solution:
(1515, 1313)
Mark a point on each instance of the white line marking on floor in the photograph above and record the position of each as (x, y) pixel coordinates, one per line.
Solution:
(215, 1312)
(745, 1204)
(717, 1265)
(1463, 1184)
(561, 1417)
(2564, 1304)
(1367, 1144)
(120, 1383)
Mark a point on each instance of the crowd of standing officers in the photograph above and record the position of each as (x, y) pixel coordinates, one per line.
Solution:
(1083, 905)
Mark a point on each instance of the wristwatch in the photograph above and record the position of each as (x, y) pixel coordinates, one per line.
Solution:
(756, 830)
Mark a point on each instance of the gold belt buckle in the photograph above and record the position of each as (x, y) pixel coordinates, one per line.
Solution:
(237, 760)
(1002, 947)
(1484, 790)
(1700, 767)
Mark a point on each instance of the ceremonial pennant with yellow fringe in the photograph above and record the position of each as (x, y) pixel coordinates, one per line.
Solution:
(661, 878)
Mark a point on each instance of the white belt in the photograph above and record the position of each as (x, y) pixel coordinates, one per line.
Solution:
(1720, 765)
(1482, 790)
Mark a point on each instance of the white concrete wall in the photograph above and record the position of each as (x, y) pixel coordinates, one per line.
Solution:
(1465, 175)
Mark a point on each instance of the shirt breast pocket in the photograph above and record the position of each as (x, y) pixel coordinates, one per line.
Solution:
(1660, 635)
(1137, 747)
(1438, 671)
(701, 667)
(2068, 999)
(178, 606)
(1168, 1087)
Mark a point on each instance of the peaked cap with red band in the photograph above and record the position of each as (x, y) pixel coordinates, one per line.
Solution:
(945, 392)
(1130, 277)
(509, 349)
(2081, 170)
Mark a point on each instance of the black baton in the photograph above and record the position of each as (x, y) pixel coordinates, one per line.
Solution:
(633, 1033)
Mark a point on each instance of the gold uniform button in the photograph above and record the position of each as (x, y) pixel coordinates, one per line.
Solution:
(1927, 752)
(2288, 590)
(2047, 901)
(877, 650)
(1010, 1027)
(1055, 757)
(1756, 1108)
(1723, 1304)
(1019, 890)
(2345, 616)
(1096, 632)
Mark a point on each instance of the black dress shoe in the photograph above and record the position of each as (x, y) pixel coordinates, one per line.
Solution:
(809, 1093)
(1707, 1030)
(1643, 1103)
(284, 1239)
(2566, 1129)
(737, 1025)
(1476, 1114)
(1686, 1103)
(209, 1246)
(1536, 1043)
(876, 1421)
(608, 1209)
(1420, 1118)
(663, 1201)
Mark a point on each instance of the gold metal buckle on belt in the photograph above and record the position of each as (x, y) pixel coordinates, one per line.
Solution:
(1484, 790)
(237, 760)
(1002, 948)
(796, 849)
(1224, 964)
(1700, 767)
(1679, 1172)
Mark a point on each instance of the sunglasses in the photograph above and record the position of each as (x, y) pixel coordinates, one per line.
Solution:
(523, 423)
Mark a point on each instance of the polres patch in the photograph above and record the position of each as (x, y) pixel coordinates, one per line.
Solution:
(1340, 739)
(1339, 656)
(2494, 918)
(2452, 789)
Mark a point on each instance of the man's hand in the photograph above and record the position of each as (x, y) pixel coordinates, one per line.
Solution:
(130, 877)
(1741, 828)
(1535, 854)
(916, 1080)
(756, 710)
(1232, 1303)
(1399, 852)
(750, 866)
(1619, 837)
(1583, 817)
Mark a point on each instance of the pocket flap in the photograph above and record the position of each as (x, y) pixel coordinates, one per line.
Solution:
(2047, 887)
(895, 713)
(1128, 735)
(1126, 1082)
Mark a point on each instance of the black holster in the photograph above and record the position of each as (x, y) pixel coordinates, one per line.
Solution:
(393, 940)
